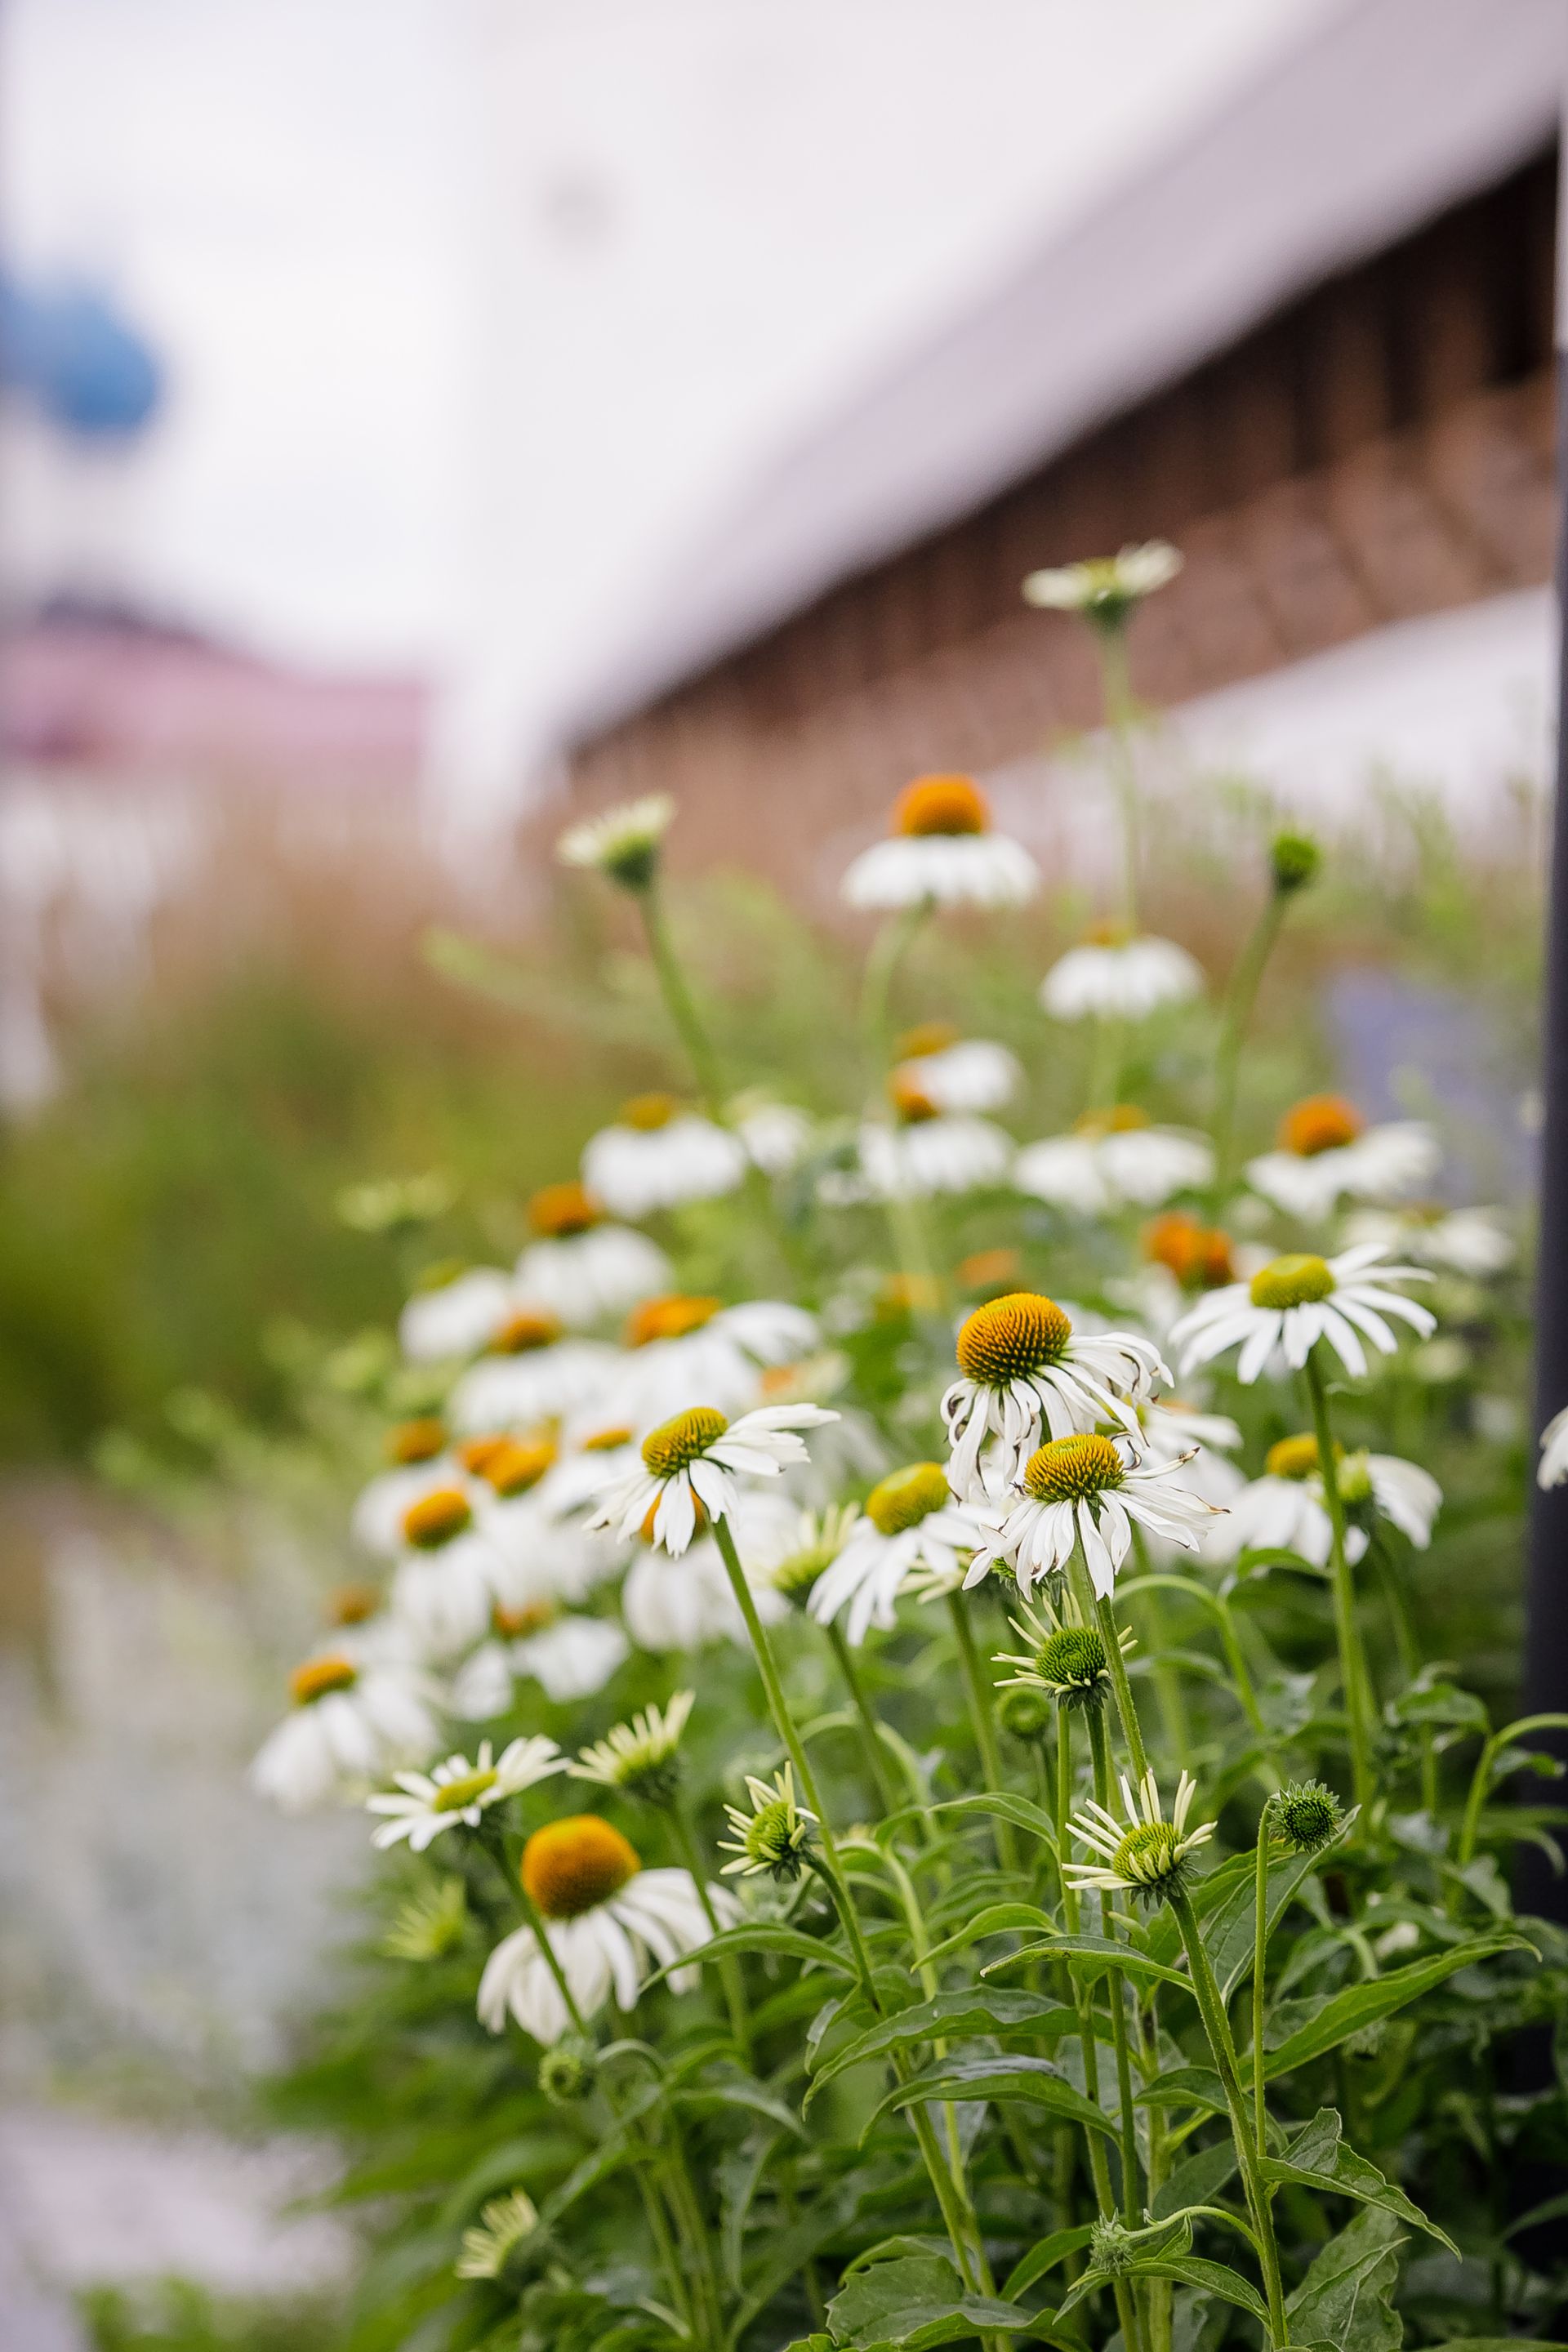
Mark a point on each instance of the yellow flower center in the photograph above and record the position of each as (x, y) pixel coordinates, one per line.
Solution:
(350, 1604)
(926, 1038)
(435, 1518)
(476, 1454)
(519, 1464)
(514, 1625)
(676, 1444)
(668, 1318)
(415, 1441)
(1107, 934)
(910, 1099)
(1293, 1457)
(647, 1113)
(1321, 1123)
(452, 1796)
(941, 804)
(1071, 1469)
(1199, 1255)
(571, 1866)
(991, 1271)
(906, 1496)
(1147, 1854)
(317, 1677)
(903, 1295)
(528, 1328)
(1009, 1338)
(605, 1441)
(558, 1210)
(1295, 1280)
(1118, 1119)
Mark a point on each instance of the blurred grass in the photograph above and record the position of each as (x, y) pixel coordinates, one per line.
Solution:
(175, 2316)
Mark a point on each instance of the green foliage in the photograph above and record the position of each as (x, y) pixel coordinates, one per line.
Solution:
(176, 2317)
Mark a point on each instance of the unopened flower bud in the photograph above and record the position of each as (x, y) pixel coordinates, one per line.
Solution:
(1025, 1712)
(568, 2071)
(1295, 859)
(1307, 1815)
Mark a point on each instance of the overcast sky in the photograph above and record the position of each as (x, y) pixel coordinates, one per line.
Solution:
(578, 264)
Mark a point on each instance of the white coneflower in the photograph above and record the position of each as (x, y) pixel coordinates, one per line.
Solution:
(624, 842)
(1553, 1467)
(1104, 588)
(688, 1350)
(1117, 978)
(1087, 1490)
(1140, 1853)
(529, 1371)
(1114, 1159)
(351, 1720)
(1023, 1370)
(606, 1917)
(458, 1793)
(458, 1311)
(1297, 1300)
(504, 2225)
(1475, 1243)
(641, 1758)
(911, 1521)
(811, 1544)
(1283, 1510)
(1327, 1152)
(417, 1454)
(923, 1150)
(581, 1269)
(657, 1155)
(1170, 1431)
(775, 1836)
(941, 852)
(689, 1465)
(450, 1573)
(953, 1073)
(775, 1134)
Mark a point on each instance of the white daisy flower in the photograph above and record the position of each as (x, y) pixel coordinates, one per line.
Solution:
(582, 1270)
(689, 1465)
(927, 1152)
(1106, 587)
(775, 1134)
(1553, 1467)
(449, 1575)
(913, 1521)
(1087, 1490)
(1327, 1152)
(1024, 1371)
(1387, 1487)
(1282, 1511)
(531, 1374)
(1297, 1300)
(843, 1450)
(624, 842)
(504, 2225)
(955, 1074)
(641, 1756)
(457, 1315)
(1475, 1243)
(1120, 978)
(607, 1919)
(425, 1803)
(351, 1720)
(681, 1605)
(593, 1451)
(658, 1156)
(941, 852)
(686, 1349)
(572, 1658)
(1114, 1159)
(419, 1459)
(1139, 1852)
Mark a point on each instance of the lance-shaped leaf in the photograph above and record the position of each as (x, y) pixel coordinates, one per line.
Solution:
(1360, 2005)
(1317, 2158)
(1230, 1929)
(972, 2009)
(996, 1919)
(1183, 2086)
(787, 1942)
(1197, 2182)
(916, 2302)
(1046, 2256)
(1002, 1805)
(1169, 2260)
(1028, 2082)
(1344, 2299)
(1101, 1950)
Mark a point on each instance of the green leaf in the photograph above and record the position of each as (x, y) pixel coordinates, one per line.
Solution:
(1347, 2013)
(887, 2249)
(740, 2090)
(996, 1919)
(1101, 1949)
(788, 1942)
(914, 2303)
(739, 2176)
(1195, 2087)
(1031, 2082)
(1317, 2158)
(1228, 1932)
(1197, 2182)
(975, 2009)
(1003, 1806)
(1188, 2270)
(1344, 2299)
(1499, 2344)
(1046, 2256)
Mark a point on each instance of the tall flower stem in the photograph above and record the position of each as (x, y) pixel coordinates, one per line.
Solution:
(1354, 1674)
(1116, 684)
(1168, 1688)
(875, 1753)
(1240, 1000)
(957, 2213)
(679, 1001)
(1099, 1748)
(983, 1715)
(1259, 1964)
(895, 936)
(1217, 2026)
(1099, 1613)
(729, 1967)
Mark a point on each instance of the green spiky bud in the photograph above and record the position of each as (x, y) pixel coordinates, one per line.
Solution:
(1307, 1815)
(1025, 1713)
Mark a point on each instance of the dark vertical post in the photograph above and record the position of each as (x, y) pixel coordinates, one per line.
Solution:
(1545, 1680)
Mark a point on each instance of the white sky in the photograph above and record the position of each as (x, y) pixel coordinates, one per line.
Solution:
(474, 309)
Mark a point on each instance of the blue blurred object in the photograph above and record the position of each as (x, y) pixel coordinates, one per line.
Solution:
(1407, 1049)
(89, 370)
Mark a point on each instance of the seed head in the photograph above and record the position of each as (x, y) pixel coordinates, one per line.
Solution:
(1011, 1337)
(682, 1440)
(1307, 1815)
(1072, 1469)
(1298, 1280)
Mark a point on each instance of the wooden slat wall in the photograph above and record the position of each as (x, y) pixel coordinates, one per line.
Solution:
(1381, 449)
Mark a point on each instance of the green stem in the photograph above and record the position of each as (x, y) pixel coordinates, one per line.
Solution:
(1353, 1672)
(983, 1715)
(894, 938)
(1110, 637)
(1173, 1703)
(679, 1001)
(1480, 1780)
(1097, 1611)
(1241, 998)
(1260, 1961)
(1211, 2007)
(729, 1967)
(1099, 1746)
(684, 2199)
(871, 1744)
